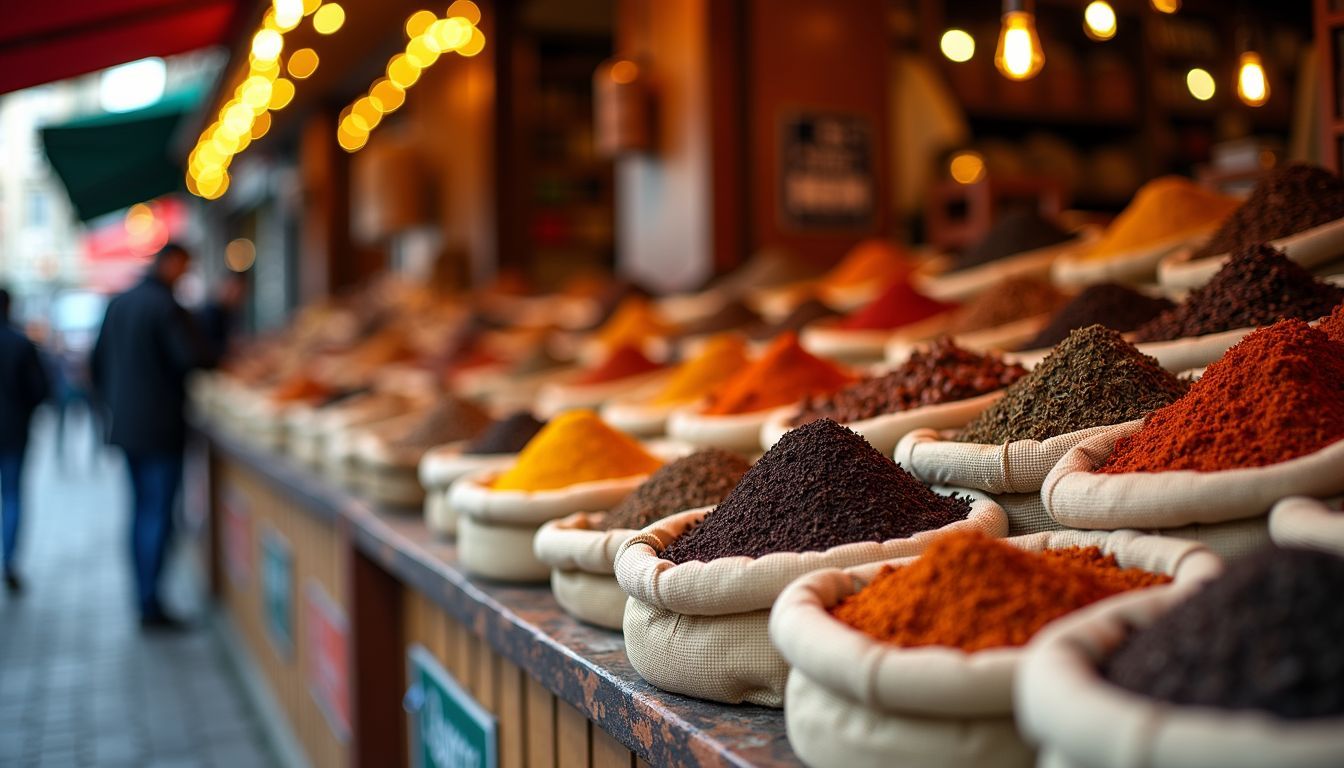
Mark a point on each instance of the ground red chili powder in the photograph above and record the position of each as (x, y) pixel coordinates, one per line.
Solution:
(1275, 396)
(625, 362)
(900, 304)
(972, 592)
(785, 373)
(1333, 326)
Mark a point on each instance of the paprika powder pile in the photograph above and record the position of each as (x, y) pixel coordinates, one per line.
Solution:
(635, 321)
(972, 592)
(1273, 397)
(575, 447)
(784, 374)
(941, 373)
(626, 361)
(870, 261)
(720, 359)
(898, 305)
(1333, 326)
(1162, 210)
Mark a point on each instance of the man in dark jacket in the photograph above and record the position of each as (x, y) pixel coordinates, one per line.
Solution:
(139, 367)
(23, 386)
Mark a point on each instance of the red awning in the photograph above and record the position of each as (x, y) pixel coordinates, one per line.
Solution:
(55, 39)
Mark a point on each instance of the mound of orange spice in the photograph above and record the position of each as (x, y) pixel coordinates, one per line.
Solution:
(785, 373)
(972, 592)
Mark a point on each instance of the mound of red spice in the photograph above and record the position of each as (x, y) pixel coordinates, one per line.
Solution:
(1275, 396)
(1333, 326)
(625, 362)
(900, 304)
(972, 592)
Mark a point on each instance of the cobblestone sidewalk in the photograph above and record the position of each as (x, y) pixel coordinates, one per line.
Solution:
(79, 683)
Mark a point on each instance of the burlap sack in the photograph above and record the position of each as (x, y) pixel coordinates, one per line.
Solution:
(1081, 721)
(556, 397)
(439, 468)
(1016, 467)
(739, 433)
(700, 628)
(1196, 352)
(883, 432)
(637, 417)
(867, 346)
(1079, 498)
(1302, 522)
(1026, 514)
(504, 523)
(1311, 248)
(959, 704)
(582, 559)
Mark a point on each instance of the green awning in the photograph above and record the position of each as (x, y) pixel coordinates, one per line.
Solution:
(110, 161)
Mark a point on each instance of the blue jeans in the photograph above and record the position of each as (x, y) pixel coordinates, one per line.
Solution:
(154, 484)
(11, 475)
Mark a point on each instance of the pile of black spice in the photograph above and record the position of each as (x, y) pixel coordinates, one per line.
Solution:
(729, 317)
(1266, 635)
(1017, 231)
(820, 486)
(802, 315)
(698, 480)
(507, 435)
(1010, 300)
(450, 420)
(1093, 378)
(1257, 286)
(1288, 200)
(940, 373)
(1110, 304)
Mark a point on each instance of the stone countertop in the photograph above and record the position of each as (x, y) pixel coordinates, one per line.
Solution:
(583, 665)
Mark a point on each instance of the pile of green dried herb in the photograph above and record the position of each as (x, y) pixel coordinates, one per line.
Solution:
(1092, 379)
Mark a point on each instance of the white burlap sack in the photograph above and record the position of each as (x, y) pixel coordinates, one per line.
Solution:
(582, 558)
(930, 705)
(637, 417)
(1016, 467)
(1026, 514)
(506, 521)
(1302, 522)
(1082, 721)
(1074, 269)
(1080, 498)
(556, 397)
(699, 628)
(739, 433)
(439, 468)
(1195, 352)
(883, 432)
(867, 346)
(1311, 248)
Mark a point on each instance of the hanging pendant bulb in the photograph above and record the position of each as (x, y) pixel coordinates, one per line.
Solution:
(1019, 55)
(1252, 85)
(1099, 20)
(1166, 6)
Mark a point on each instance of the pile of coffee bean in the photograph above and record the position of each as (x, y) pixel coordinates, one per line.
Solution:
(941, 373)
(703, 478)
(1257, 286)
(1110, 304)
(508, 435)
(820, 486)
(1288, 200)
(1010, 300)
(1017, 231)
(449, 421)
(1093, 378)
(802, 315)
(1266, 635)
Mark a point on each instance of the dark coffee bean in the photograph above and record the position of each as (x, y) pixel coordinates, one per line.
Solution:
(698, 480)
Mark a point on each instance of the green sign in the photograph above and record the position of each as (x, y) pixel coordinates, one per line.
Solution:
(449, 729)
(277, 590)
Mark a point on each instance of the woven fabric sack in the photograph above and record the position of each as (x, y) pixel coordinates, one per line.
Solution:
(1019, 466)
(699, 628)
(1076, 496)
(582, 559)
(883, 432)
(738, 432)
(1302, 522)
(1026, 514)
(1081, 721)
(956, 702)
(499, 551)
(439, 469)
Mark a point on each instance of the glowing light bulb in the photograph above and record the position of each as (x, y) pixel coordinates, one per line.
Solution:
(422, 52)
(288, 13)
(967, 167)
(282, 92)
(402, 71)
(261, 125)
(957, 45)
(449, 34)
(267, 45)
(387, 95)
(623, 72)
(1200, 83)
(466, 10)
(1252, 85)
(419, 22)
(473, 46)
(302, 63)
(1166, 6)
(1099, 20)
(256, 93)
(328, 18)
(240, 254)
(1019, 55)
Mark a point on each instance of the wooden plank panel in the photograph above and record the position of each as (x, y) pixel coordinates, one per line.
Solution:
(540, 712)
(512, 716)
(572, 740)
(608, 752)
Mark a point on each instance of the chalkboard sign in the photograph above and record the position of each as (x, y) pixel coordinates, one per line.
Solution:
(826, 171)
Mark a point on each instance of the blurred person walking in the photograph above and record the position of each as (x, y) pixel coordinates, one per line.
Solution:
(218, 319)
(139, 367)
(23, 386)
